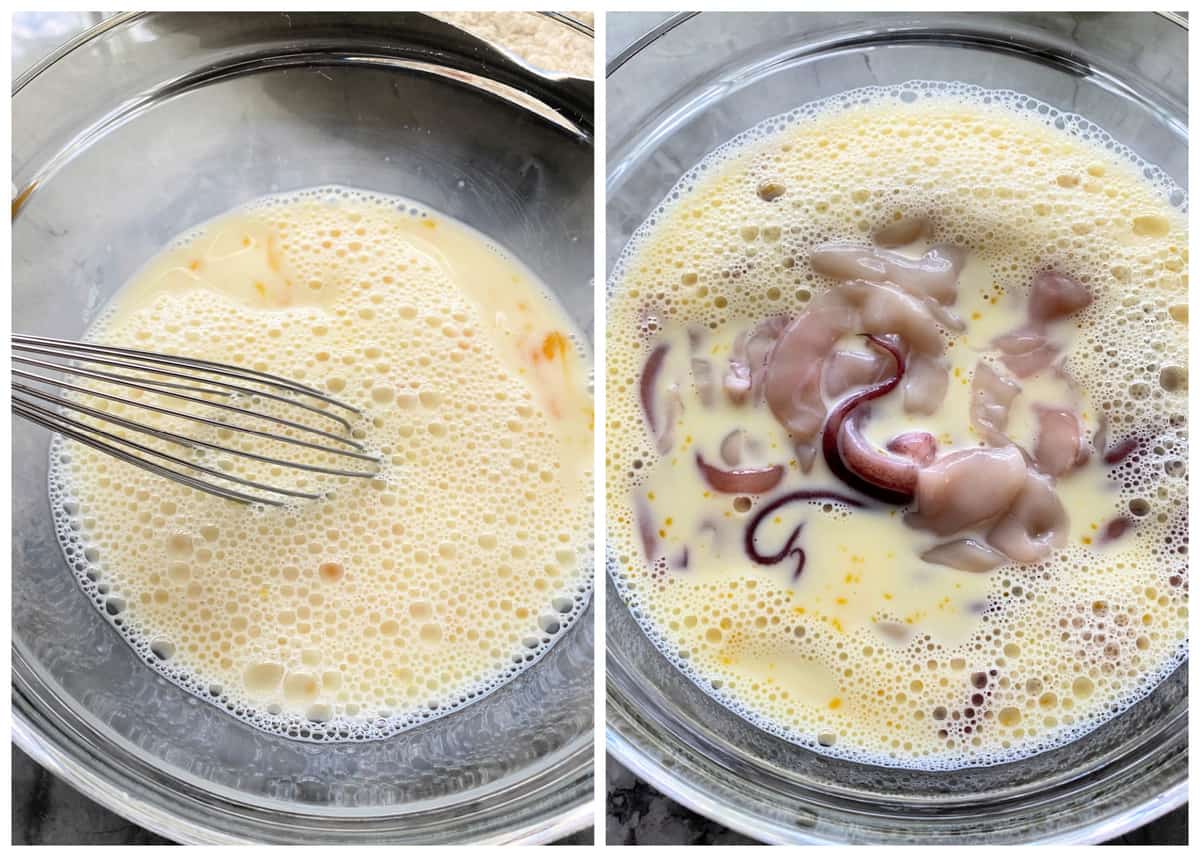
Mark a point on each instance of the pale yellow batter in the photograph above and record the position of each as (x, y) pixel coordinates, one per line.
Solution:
(391, 599)
(873, 652)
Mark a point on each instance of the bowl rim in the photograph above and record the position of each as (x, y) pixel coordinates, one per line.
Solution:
(119, 19)
(576, 760)
(634, 756)
(662, 28)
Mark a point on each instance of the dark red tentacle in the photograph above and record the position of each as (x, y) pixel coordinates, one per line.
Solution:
(789, 547)
(843, 411)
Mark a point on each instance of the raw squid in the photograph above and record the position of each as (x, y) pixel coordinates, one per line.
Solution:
(1055, 296)
(758, 480)
(845, 370)
(748, 360)
(884, 310)
(703, 378)
(1026, 351)
(934, 275)
(1035, 524)
(793, 378)
(965, 488)
(920, 446)
(790, 548)
(965, 555)
(793, 365)
(925, 385)
(991, 398)
(1059, 447)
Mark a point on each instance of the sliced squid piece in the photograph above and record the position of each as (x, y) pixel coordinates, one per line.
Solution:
(736, 445)
(945, 316)
(1059, 447)
(648, 386)
(965, 555)
(934, 275)
(924, 385)
(732, 447)
(737, 376)
(920, 446)
(645, 522)
(705, 381)
(1114, 529)
(672, 411)
(806, 454)
(748, 359)
(792, 383)
(661, 424)
(966, 488)
(884, 310)
(1056, 296)
(1026, 351)
(991, 398)
(845, 370)
(904, 231)
(1121, 450)
(758, 480)
(1117, 452)
(1035, 525)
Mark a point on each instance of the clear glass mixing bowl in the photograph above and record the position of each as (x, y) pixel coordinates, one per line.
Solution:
(675, 95)
(149, 125)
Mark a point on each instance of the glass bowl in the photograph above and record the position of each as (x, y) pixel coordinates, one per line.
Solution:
(685, 88)
(143, 128)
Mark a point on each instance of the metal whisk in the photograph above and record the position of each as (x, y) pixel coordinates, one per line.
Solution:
(220, 401)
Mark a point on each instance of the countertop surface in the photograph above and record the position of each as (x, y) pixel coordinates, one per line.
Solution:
(638, 814)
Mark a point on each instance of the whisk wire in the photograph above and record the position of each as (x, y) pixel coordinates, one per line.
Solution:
(198, 377)
(229, 388)
(72, 349)
(194, 442)
(150, 388)
(71, 429)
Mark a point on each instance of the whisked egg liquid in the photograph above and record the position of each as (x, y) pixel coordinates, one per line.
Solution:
(872, 653)
(390, 600)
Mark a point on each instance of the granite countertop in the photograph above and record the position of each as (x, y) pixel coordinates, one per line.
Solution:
(637, 813)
